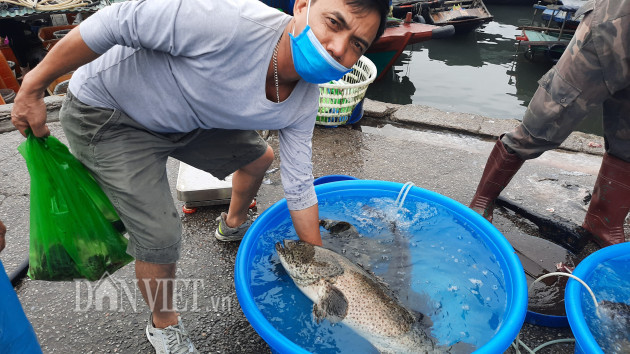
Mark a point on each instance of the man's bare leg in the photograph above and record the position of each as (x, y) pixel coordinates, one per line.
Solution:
(155, 282)
(245, 184)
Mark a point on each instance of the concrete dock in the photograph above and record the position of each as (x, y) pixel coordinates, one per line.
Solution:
(441, 151)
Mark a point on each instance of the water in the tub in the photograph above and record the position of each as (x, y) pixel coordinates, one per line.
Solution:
(435, 263)
(610, 322)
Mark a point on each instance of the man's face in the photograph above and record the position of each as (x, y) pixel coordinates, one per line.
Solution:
(344, 31)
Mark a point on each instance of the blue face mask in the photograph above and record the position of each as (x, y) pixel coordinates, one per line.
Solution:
(311, 61)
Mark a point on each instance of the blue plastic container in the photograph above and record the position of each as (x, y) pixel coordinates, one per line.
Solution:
(357, 113)
(333, 178)
(16, 332)
(541, 319)
(515, 308)
(591, 270)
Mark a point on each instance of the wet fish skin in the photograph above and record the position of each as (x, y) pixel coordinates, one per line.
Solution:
(344, 292)
(339, 228)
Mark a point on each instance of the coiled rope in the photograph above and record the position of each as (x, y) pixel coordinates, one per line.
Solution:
(47, 5)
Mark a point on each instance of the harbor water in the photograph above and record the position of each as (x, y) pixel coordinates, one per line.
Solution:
(478, 72)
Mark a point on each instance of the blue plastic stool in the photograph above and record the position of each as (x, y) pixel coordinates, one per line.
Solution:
(16, 333)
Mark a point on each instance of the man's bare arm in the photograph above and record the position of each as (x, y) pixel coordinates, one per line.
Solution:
(29, 109)
(306, 223)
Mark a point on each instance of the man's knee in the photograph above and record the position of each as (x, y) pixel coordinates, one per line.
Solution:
(260, 164)
(522, 143)
(268, 156)
(165, 249)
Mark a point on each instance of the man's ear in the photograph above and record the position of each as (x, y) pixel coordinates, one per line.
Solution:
(299, 6)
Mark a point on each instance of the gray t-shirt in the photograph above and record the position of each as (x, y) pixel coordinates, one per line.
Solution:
(179, 65)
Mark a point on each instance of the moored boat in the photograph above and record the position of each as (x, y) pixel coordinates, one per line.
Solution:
(510, 2)
(465, 15)
(547, 39)
(538, 43)
(523, 2)
(560, 15)
(398, 35)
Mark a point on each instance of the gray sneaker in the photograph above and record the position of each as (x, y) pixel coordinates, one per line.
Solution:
(172, 339)
(226, 233)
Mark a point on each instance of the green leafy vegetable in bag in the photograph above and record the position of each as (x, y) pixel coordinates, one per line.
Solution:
(72, 232)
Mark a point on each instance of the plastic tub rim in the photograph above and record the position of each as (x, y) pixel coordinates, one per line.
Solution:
(333, 178)
(517, 293)
(572, 299)
(541, 319)
(257, 320)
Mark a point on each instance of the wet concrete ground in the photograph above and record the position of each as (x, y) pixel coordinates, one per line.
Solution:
(431, 155)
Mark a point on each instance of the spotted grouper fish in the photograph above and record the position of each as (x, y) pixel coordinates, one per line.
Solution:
(344, 292)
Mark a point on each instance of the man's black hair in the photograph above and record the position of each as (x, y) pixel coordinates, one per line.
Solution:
(380, 6)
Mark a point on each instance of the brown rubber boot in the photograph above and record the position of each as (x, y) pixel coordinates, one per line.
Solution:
(499, 170)
(610, 202)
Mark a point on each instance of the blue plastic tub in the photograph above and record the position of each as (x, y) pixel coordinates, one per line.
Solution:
(333, 178)
(496, 247)
(16, 332)
(597, 270)
(541, 319)
(357, 113)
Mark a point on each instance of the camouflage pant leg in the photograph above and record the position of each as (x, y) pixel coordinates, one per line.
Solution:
(617, 125)
(576, 84)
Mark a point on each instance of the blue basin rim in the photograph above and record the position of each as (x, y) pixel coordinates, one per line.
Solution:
(516, 289)
(541, 319)
(573, 299)
(332, 178)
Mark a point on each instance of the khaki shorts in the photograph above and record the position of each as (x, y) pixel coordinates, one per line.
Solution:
(129, 163)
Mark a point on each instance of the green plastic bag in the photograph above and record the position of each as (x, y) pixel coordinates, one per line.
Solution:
(73, 233)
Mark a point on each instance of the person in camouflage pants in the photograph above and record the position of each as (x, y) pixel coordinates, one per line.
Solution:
(593, 70)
